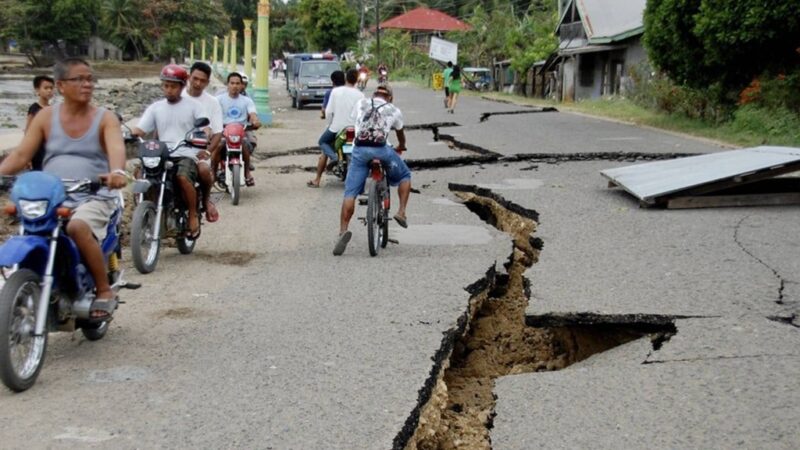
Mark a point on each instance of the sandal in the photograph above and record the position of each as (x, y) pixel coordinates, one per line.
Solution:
(401, 221)
(193, 235)
(311, 184)
(212, 215)
(105, 306)
(250, 181)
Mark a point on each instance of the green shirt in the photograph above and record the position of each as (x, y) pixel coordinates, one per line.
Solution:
(446, 73)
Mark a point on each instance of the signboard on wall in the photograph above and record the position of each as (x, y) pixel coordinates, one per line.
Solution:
(443, 51)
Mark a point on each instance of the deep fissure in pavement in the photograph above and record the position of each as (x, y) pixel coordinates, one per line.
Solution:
(494, 338)
(485, 116)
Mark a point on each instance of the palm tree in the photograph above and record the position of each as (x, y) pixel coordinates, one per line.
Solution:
(121, 20)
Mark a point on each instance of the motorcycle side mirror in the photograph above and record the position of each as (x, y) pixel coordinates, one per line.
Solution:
(201, 122)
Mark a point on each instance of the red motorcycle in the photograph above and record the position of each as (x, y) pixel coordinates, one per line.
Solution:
(229, 171)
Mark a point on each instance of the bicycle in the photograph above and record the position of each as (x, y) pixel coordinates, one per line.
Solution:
(378, 204)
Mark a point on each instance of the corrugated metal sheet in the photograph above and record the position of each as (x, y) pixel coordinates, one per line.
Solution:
(649, 181)
(605, 19)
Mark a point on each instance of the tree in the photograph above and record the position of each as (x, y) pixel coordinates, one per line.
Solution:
(51, 21)
(288, 38)
(534, 38)
(722, 44)
(329, 24)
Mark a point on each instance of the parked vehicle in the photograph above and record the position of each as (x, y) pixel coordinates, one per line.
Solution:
(47, 287)
(161, 211)
(309, 76)
(477, 78)
(229, 173)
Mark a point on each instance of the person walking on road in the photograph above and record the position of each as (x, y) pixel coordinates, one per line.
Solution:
(446, 77)
(381, 116)
(339, 112)
(455, 88)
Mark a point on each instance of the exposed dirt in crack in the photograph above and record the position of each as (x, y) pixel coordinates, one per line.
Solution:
(457, 404)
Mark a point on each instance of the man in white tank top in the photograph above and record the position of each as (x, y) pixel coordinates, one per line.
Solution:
(77, 118)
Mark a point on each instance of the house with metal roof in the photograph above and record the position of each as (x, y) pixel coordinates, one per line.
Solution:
(599, 41)
(423, 23)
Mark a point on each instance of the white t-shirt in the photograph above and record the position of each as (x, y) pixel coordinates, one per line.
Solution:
(340, 107)
(172, 121)
(236, 109)
(390, 116)
(212, 108)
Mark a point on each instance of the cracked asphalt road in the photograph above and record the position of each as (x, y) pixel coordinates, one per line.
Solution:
(294, 348)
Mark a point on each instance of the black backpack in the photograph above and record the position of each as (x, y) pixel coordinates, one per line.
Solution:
(371, 128)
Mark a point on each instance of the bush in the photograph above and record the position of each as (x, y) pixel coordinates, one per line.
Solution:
(778, 126)
(656, 91)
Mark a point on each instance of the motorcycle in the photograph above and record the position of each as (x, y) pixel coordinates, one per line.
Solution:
(47, 287)
(229, 172)
(344, 150)
(160, 208)
(362, 81)
(383, 76)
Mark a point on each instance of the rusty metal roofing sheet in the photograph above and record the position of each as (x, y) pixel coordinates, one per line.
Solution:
(649, 181)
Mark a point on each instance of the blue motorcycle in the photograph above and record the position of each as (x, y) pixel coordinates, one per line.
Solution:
(46, 286)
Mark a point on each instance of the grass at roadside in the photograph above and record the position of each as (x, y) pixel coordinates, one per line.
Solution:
(750, 127)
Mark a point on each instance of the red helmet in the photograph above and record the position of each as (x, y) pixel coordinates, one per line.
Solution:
(174, 72)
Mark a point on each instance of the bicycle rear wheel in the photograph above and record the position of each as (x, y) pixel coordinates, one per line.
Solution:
(374, 212)
(384, 201)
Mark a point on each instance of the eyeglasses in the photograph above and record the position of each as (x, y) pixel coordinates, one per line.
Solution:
(81, 80)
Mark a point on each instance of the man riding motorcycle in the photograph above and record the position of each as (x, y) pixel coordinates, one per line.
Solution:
(172, 117)
(81, 141)
(240, 109)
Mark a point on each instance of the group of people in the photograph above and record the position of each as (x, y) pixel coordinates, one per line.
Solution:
(348, 107)
(76, 139)
(452, 86)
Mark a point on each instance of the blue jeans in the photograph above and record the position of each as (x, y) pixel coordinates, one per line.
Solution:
(358, 170)
(326, 142)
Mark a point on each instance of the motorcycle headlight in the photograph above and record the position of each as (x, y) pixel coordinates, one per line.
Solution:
(234, 139)
(33, 209)
(151, 161)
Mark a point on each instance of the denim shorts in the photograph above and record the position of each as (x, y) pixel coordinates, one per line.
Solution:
(358, 170)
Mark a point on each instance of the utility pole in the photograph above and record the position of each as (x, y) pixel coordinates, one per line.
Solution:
(378, 29)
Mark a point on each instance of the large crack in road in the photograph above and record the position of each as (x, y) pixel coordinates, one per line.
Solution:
(475, 154)
(494, 338)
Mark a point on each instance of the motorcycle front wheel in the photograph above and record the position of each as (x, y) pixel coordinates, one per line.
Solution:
(21, 353)
(236, 185)
(145, 244)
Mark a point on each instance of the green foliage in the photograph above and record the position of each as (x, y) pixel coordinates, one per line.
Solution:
(486, 41)
(722, 45)
(329, 24)
(287, 38)
(40, 21)
(534, 38)
(777, 126)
